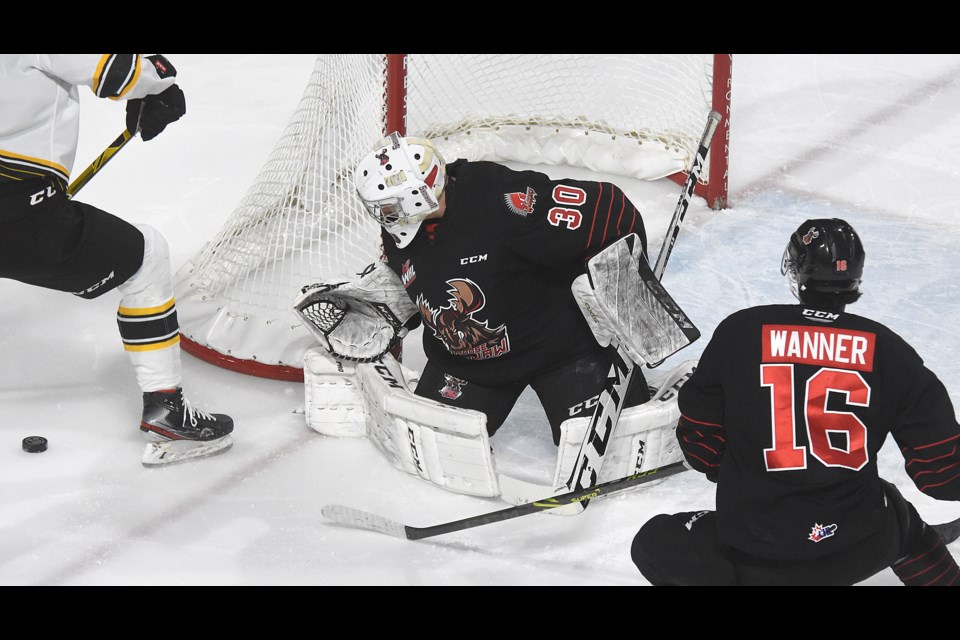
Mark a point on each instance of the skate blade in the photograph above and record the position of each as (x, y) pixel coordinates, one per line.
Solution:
(163, 454)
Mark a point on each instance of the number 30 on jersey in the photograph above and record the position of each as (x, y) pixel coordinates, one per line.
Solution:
(566, 216)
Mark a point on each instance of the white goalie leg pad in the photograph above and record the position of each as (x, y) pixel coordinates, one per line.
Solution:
(444, 445)
(333, 404)
(644, 438)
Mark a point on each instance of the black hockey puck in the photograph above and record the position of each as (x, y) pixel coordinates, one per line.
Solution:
(34, 444)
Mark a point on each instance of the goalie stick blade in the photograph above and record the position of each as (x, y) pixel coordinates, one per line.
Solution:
(358, 519)
(355, 518)
(949, 531)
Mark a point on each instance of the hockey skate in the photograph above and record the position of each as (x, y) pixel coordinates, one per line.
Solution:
(177, 432)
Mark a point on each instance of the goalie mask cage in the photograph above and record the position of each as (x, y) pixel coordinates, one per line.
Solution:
(301, 221)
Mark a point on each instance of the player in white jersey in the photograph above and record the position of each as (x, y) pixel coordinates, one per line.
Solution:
(49, 240)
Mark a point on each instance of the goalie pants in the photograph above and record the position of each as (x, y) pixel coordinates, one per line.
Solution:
(569, 391)
(682, 549)
(50, 241)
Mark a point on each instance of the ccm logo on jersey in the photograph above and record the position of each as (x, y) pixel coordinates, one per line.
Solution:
(38, 197)
(820, 316)
(474, 259)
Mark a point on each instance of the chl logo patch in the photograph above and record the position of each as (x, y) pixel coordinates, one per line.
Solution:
(521, 203)
(822, 532)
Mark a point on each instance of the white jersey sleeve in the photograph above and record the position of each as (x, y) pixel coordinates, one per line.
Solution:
(40, 103)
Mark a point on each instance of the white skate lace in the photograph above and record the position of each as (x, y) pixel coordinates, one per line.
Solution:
(194, 413)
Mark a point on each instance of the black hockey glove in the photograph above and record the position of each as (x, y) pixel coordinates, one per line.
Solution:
(157, 112)
(153, 113)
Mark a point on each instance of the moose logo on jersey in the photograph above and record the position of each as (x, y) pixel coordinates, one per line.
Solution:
(455, 325)
(521, 203)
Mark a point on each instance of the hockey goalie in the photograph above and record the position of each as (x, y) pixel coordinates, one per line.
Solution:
(518, 280)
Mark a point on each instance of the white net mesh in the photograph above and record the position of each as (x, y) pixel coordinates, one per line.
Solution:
(301, 221)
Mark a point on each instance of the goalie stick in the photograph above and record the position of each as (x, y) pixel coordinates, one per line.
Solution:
(358, 519)
(607, 413)
(713, 119)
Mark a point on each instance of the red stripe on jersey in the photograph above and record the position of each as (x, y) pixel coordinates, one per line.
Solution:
(594, 221)
(934, 485)
(609, 215)
(935, 444)
(821, 346)
(623, 206)
(709, 424)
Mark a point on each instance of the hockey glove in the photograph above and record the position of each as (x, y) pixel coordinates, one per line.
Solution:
(153, 113)
(361, 320)
(157, 112)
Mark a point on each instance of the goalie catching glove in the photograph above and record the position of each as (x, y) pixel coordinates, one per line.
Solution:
(360, 320)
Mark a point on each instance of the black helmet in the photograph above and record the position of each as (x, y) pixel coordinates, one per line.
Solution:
(824, 256)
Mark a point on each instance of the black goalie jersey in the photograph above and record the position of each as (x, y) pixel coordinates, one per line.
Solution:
(788, 410)
(492, 280)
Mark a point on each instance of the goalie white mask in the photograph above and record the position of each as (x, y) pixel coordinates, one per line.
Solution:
(400, 183)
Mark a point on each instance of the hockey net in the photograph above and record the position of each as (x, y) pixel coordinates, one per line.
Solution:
(300, 221)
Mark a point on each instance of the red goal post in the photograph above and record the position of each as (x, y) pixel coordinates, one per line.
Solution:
(636, 115)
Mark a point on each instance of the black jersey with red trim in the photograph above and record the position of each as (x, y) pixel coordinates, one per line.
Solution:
(787, 411)
(493, 283)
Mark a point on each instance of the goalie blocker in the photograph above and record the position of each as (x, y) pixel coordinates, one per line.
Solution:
(624, 303)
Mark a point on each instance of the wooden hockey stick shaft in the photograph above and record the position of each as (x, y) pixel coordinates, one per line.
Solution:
(688, 186)
(99, 163)
(372, 522)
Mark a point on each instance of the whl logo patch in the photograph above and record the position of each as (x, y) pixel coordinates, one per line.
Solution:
(521, 203)
(407, 274)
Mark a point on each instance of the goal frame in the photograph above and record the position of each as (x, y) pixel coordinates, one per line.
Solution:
(714, 190)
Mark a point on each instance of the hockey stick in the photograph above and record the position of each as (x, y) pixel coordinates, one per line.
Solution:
(99, 163)
(355, 518)
(713, 119)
